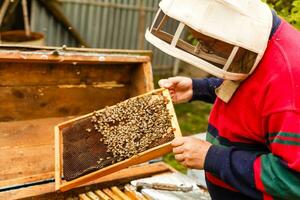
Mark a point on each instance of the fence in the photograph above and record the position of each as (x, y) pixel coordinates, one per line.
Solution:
(117, 24)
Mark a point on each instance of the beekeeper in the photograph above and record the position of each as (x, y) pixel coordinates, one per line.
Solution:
(253, 137)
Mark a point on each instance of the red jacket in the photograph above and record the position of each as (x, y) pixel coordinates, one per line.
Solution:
(257, 134)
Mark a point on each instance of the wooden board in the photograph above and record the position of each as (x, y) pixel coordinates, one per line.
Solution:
(26, 163)
(46, 56)
(141, 80)
(41, 74)
(77, 49)
(27, 149)
(33, 102)
(140, 158)
(47, 190)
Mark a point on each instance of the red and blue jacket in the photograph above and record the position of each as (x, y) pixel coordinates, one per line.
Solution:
(256, 136)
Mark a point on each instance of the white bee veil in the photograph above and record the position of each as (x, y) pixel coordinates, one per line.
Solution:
(230, 36)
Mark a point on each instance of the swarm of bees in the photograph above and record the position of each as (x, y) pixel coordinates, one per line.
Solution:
(133, 126)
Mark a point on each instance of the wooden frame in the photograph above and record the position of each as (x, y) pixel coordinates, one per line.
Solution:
(231, 57)
(137, 159)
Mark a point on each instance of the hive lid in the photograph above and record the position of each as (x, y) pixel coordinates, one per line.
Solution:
(25, 53)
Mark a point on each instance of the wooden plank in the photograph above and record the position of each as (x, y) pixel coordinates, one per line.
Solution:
(148, 74)
(132, 193)
(174, 121)
(125, 175)
(9, 17)
(163, 22)
(48, 57)
(231, 57)
(56, 101)
(137, 159)
(29, 48)
(28, 133)
(37, 74)
(142, 80)
(119, 193)
(84, 197)
(25, 16)
(58, 160)
(102, 195)
(25, 162)
(92, 195)
(28, 147)
(177, 34)
(34, 177)
(133, 173)
(28, 192)
(3, 10)
(111, 194)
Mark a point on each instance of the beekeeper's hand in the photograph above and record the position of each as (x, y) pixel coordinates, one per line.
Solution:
(181, 88)
(190, 151)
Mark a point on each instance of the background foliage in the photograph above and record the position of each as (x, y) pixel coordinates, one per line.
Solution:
(288, 9)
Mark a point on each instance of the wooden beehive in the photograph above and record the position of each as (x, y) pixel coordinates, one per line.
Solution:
(118, 179)
(78, 125)
(42, 87)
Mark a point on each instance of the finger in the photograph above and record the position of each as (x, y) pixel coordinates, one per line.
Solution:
(172, 90)
(178, 150)
(178, 141)
(184, 163)
(175, 80)
(174, 98)
(179, 157)
(165, 83)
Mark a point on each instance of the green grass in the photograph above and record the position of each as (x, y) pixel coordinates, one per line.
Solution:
(170, 160)
(192, 118)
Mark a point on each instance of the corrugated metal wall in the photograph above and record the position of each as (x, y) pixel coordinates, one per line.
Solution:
(117, 24)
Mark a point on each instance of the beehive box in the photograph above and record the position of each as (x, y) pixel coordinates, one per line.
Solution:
(131, 132)
(42, 87)
(109, 183)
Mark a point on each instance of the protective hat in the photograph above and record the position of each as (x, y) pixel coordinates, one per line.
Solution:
(230, 36)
